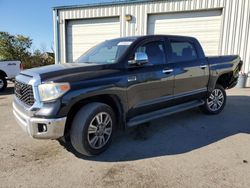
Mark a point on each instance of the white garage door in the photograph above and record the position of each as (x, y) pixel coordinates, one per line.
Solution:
(84, 34)
(204, 25)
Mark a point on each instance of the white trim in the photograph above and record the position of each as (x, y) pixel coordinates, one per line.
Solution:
(56, 39)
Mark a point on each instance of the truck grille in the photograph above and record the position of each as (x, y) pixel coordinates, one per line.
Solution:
(24, 93)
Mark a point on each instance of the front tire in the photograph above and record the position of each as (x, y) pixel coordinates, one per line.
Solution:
(3, 83)
(92, 129)
(215, 101)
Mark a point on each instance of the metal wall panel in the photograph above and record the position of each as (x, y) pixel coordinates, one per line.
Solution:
(234, 35)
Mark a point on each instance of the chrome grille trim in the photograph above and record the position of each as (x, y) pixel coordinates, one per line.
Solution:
(34, 80)
(24, 92)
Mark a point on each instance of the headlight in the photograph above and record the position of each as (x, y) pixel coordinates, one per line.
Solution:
(52, 91)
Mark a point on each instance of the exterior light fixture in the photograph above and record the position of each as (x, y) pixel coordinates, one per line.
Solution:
(128, 17)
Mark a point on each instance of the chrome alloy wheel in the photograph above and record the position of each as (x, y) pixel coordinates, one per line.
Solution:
(99, 130)
(1, 83)
(215, 100)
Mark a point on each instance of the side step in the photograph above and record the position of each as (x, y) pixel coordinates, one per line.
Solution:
(163, 112)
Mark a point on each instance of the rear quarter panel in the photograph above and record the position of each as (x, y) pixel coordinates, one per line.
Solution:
(220, 65)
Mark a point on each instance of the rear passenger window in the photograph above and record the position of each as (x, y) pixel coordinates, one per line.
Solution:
(182, 51)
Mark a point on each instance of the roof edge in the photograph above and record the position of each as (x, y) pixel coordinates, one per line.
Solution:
(121, 2)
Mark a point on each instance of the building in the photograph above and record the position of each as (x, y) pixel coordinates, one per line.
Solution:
(222, 26)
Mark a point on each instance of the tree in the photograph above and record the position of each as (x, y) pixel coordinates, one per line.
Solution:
(14, 47)
(40, 58)
(17, 47)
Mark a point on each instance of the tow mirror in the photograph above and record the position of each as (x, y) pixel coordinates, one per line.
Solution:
(140, 58)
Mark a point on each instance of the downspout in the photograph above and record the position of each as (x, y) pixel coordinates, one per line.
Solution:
(56, 35)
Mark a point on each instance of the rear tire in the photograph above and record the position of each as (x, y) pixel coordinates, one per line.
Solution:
(3, 83)
(215, 101)
(92, 129)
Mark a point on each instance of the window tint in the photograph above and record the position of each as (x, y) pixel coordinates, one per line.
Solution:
(182, 51)
(155, 51)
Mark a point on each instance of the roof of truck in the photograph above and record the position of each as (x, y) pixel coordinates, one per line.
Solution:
(151, 36)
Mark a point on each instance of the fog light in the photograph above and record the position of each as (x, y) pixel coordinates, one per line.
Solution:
(42, 127)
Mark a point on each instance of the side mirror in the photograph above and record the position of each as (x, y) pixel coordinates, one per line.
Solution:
(140, 58)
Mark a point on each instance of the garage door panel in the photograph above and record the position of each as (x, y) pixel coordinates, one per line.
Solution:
(90, 32)
(184, 24)
(183, 20)
(204, 25)
(83, 40)
(83, 34)
(95, 20)
(184, 29)
(89, 36)
(88, 29)
(194, 15)
(93, 23)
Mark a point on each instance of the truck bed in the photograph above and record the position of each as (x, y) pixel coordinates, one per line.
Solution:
(222, 59)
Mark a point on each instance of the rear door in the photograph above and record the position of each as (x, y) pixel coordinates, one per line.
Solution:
(150, 87)
(190, 70)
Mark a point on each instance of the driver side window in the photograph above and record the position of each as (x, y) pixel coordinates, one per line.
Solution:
(155, 51)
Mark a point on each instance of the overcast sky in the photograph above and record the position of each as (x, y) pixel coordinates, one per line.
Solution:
(33, 18)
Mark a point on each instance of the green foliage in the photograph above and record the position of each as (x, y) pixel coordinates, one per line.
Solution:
(40, 59)
(17, 47)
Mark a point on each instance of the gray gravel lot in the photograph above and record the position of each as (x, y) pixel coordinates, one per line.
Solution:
(188, 149)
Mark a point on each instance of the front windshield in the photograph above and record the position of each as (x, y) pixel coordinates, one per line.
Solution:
(107, 52)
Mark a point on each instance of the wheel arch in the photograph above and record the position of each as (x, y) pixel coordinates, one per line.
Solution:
(225, 79)
(108, 99)
(3, 73)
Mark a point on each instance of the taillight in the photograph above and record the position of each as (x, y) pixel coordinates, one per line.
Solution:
(21, 66)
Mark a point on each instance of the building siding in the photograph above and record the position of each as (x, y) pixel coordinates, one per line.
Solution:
(235, 31)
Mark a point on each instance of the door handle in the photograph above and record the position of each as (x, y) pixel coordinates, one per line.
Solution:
(203, 66)
(167, 71)
(132, 78)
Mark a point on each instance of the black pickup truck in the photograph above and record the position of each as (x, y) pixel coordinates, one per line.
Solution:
(121, 83)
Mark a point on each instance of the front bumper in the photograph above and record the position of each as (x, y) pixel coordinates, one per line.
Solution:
(40, 128)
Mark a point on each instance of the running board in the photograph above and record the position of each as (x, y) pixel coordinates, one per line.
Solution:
(163, 112)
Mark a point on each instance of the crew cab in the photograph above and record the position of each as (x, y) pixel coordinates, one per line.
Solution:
(8, 71)
(121, 83)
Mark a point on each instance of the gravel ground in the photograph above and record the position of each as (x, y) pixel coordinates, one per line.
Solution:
(188, 149)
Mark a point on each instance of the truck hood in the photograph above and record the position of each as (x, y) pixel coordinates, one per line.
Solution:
(69, 72)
